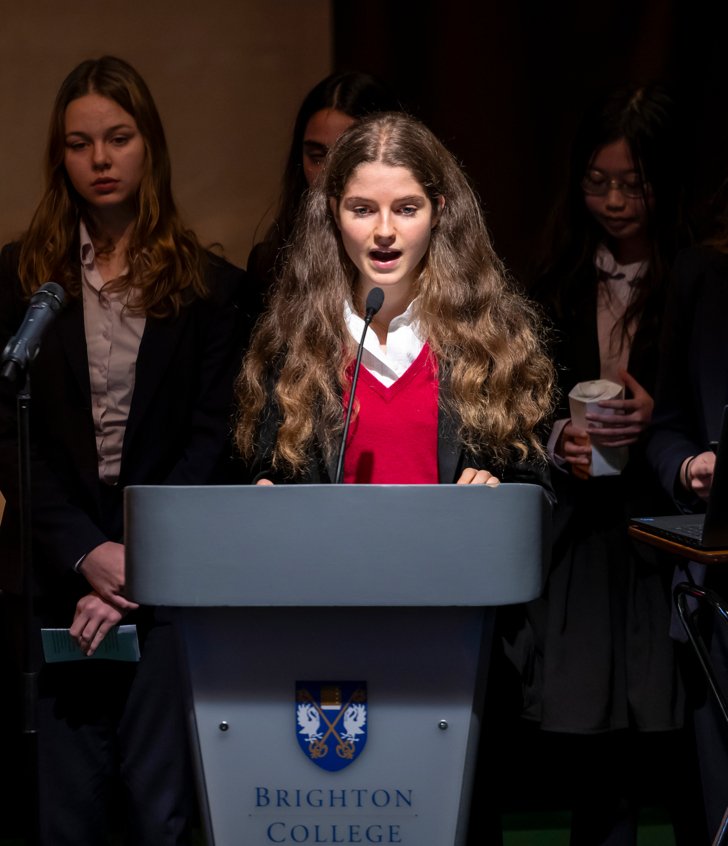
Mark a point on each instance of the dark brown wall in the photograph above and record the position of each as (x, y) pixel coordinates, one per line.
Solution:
(227, 78)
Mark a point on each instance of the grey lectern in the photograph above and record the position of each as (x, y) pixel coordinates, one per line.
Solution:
(337, 642)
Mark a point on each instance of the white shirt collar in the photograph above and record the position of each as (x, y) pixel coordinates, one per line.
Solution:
(88, 254)
(605, 262)
(404, 344)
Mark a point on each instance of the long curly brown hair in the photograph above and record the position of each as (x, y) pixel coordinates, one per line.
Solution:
(483, 333)
(165, 260)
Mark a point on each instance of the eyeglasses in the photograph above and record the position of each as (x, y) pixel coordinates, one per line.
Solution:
(599, 184)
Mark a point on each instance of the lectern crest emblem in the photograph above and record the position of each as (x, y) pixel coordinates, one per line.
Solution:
(331, 721)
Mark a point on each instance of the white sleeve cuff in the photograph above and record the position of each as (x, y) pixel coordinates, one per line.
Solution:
(555, 459)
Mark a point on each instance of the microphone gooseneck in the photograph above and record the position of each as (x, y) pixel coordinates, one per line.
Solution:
(374, 301)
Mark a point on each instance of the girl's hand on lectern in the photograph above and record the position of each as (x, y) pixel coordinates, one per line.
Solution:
(471, 476)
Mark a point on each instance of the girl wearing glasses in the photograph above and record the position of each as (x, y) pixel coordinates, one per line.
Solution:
(606, 668)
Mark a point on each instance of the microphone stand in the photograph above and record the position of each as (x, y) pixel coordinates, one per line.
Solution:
(15, 361)
(29, 669)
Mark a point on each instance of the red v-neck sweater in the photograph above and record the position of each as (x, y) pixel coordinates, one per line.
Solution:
(393, 438)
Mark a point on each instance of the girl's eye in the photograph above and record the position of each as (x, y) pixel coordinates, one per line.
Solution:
(75, 145)
(408, 211)
(119, 140)
(360, 211)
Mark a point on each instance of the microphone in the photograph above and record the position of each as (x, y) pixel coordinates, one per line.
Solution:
(375, 300)
(23, 347)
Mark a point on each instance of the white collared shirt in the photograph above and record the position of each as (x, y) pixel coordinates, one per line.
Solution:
(615, 290)
(404, 344)
(113, 336)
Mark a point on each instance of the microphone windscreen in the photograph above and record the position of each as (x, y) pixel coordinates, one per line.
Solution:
(54, 294)
(375, 300)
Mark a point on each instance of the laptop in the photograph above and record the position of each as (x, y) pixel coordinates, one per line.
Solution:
(699, 531)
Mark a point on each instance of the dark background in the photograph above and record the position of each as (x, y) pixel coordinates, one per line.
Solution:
(504, 84)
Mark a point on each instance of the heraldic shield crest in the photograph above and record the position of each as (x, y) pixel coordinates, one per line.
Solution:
(331, 721)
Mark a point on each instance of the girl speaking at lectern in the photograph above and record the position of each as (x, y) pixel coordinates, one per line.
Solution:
(454, 382)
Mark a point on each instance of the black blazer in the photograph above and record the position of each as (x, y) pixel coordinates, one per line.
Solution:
(575, 341)
(575, 350)
(177, 431)
(693, 383)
